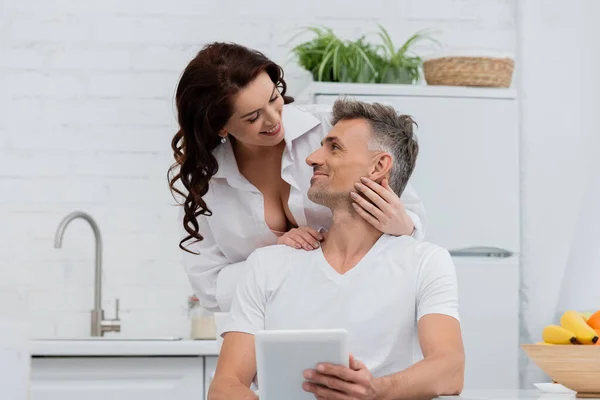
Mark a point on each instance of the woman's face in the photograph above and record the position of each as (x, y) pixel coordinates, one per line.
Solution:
(256, 119)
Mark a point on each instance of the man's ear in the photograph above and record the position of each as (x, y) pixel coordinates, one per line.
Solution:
(380, 167)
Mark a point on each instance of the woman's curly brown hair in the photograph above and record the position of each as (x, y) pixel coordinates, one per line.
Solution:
(204, 105)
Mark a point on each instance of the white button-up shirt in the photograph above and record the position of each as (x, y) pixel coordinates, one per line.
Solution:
(237, 225)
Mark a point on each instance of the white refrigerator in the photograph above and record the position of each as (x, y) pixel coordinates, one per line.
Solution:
(467, 175)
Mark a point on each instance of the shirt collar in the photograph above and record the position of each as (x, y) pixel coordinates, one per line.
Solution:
(296, 123)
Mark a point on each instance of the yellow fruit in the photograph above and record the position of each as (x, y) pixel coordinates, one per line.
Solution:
(594, 320)
(586, 315)
(555, 334)
(573, 321)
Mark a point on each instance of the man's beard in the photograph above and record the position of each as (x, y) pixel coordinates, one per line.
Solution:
(330, 199)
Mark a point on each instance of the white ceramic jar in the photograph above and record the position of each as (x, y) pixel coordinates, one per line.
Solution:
(202, 321)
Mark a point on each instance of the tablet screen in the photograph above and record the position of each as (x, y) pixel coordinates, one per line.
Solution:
(282, 356)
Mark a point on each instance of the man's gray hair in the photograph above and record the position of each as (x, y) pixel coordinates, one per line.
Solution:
(390, 132)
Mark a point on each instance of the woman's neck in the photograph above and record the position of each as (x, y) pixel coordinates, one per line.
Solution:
(244, 152)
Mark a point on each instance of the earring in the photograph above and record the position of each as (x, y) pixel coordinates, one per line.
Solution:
(223, 140)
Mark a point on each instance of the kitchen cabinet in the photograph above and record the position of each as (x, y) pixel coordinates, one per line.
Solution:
(117, 378)
(210, 366)
(120, 368)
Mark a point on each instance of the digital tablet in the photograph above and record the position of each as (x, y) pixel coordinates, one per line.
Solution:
(282, 356)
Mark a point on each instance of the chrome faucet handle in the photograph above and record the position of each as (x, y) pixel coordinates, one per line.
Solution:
(117, 310)
(114, 324)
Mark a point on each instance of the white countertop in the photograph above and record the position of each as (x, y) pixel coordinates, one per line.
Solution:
(509, 395)
(123, 347)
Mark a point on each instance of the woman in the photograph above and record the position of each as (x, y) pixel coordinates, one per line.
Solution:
(240, 157)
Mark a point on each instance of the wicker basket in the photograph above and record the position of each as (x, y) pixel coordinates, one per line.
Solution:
(469, 71)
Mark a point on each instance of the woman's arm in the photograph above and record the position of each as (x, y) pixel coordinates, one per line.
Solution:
(415, 209)
(212, 276)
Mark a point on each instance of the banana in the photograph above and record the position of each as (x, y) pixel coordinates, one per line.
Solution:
(555, 334)
(586, 315)
(573, 321)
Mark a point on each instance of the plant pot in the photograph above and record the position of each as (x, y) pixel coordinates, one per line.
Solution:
(364, 76)
(396, 75)
(327, 76)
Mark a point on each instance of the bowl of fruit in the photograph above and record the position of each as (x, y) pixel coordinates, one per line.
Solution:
(570, 352)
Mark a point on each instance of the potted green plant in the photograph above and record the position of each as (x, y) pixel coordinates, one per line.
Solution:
(332, 59)
(401, 65)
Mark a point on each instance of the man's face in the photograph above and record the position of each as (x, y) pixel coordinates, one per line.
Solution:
(342, 160)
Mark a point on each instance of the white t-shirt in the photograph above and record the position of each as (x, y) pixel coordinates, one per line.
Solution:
(379, 301)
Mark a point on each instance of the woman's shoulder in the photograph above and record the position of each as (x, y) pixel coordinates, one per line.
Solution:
(309, 118)
(320, 111)
(314, 109)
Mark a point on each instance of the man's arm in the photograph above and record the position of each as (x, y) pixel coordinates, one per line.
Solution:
(442, 369)
(236, 369)
(441, 372)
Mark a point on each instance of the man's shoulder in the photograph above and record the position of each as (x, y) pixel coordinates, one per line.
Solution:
(317, 110)
(418, 252)
(271, 264)
(274, 255)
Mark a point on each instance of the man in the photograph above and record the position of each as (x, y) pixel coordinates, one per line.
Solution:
(396, 296)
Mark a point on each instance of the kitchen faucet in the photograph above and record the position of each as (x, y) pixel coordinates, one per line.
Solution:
(99, 324)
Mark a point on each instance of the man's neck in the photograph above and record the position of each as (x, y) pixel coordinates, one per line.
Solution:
(349, 239)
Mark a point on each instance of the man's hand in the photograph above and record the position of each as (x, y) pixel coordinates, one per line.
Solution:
(384, 210)
(303, 237)
(336, 382)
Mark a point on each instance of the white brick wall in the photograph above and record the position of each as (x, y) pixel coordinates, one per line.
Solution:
(86, 119)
